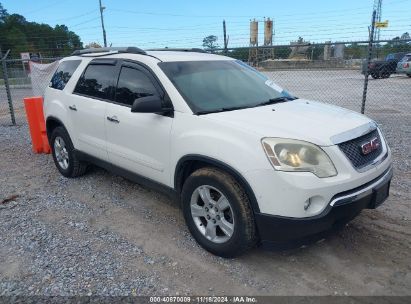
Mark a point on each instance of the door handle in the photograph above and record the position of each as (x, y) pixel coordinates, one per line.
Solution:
(73, 108)
(113, 119)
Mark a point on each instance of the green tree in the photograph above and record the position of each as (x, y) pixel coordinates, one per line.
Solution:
(282, 52)
(356, 51)
(92, 45)
(240, 54)
(210, 42)
(18, 39)
(20, 35)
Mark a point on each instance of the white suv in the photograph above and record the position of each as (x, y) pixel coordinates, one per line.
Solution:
(249, 162)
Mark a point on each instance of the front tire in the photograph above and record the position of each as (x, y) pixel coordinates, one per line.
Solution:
(385, 75)
(218, 213)
(63, 154)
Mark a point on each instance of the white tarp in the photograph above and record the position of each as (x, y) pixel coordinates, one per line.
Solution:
(41, 75)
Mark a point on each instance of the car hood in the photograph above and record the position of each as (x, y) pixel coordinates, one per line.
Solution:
(311, 121)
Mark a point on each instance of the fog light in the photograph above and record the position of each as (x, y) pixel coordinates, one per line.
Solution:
(307, 204)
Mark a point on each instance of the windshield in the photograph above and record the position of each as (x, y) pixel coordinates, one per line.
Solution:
(211, 86)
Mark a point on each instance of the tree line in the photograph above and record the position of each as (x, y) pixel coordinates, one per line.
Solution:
(19, 35)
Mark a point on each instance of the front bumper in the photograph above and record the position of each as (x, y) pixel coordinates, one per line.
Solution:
(342, 208)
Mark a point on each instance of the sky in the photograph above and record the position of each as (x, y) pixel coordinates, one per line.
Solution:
(178, 23)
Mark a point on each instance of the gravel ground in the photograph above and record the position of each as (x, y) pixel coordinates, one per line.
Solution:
(101, 234)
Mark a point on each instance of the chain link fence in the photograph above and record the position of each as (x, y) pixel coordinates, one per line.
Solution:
(336, 73)
(16, 83)
(329, 72)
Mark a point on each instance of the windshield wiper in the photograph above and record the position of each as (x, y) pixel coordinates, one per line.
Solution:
(275, 100)
(225, 109)
(268, 102)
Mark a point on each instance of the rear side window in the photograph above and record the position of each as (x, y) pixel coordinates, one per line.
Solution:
(133, 84)
(389, 57)
(97, 81)
(63, 74)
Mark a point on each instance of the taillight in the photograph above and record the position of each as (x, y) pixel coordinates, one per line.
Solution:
(405, 65)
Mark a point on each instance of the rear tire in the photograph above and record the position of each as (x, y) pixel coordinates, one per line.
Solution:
(374, 75)
(63, 154)
(409, 75)
(218, 213)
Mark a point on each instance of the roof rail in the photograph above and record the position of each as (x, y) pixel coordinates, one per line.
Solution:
(197, 50)
(130, 49)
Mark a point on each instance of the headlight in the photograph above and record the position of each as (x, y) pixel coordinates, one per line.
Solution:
(296, 155)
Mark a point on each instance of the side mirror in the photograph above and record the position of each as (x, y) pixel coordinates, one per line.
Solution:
(150, 104)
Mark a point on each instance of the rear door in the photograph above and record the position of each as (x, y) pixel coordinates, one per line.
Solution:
(138, 142)
(88, 105)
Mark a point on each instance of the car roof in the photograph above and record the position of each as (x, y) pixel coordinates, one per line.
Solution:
(164, 56)
(185, 56)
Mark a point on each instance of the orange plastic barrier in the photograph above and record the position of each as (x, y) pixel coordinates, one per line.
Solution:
(37, 125)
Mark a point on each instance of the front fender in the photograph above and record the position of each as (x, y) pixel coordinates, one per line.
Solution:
(239, 150)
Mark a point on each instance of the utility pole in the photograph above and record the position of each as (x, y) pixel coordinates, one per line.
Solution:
(378, 8)
(370, 47)
(225, 37)
(102, 8)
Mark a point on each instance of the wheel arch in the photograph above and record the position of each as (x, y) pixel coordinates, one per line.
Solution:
(189, 163)
(52, 123)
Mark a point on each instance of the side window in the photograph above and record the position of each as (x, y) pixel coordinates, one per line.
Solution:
(63, 74)
(389, 57)
(133, 84)
(97, 81)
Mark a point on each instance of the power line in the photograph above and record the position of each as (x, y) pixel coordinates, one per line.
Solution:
(84, 22)
(180, 15)
(44, 7)
(317, 12)
(75, 17)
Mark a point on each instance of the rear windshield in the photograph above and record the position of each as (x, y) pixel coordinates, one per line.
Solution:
(63, 74)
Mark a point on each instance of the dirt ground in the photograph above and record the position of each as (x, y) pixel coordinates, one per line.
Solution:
(101, 234)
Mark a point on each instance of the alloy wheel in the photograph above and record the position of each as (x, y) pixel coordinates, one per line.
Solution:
(61, 153)
(212, 214)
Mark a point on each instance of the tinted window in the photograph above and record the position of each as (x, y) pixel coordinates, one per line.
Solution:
(389, 57)
(97, 81)
(63, 74)
(133, 84)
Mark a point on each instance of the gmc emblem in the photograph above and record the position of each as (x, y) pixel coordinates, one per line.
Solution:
(369, 146)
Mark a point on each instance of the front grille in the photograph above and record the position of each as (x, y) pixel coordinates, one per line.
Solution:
(352, 149)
